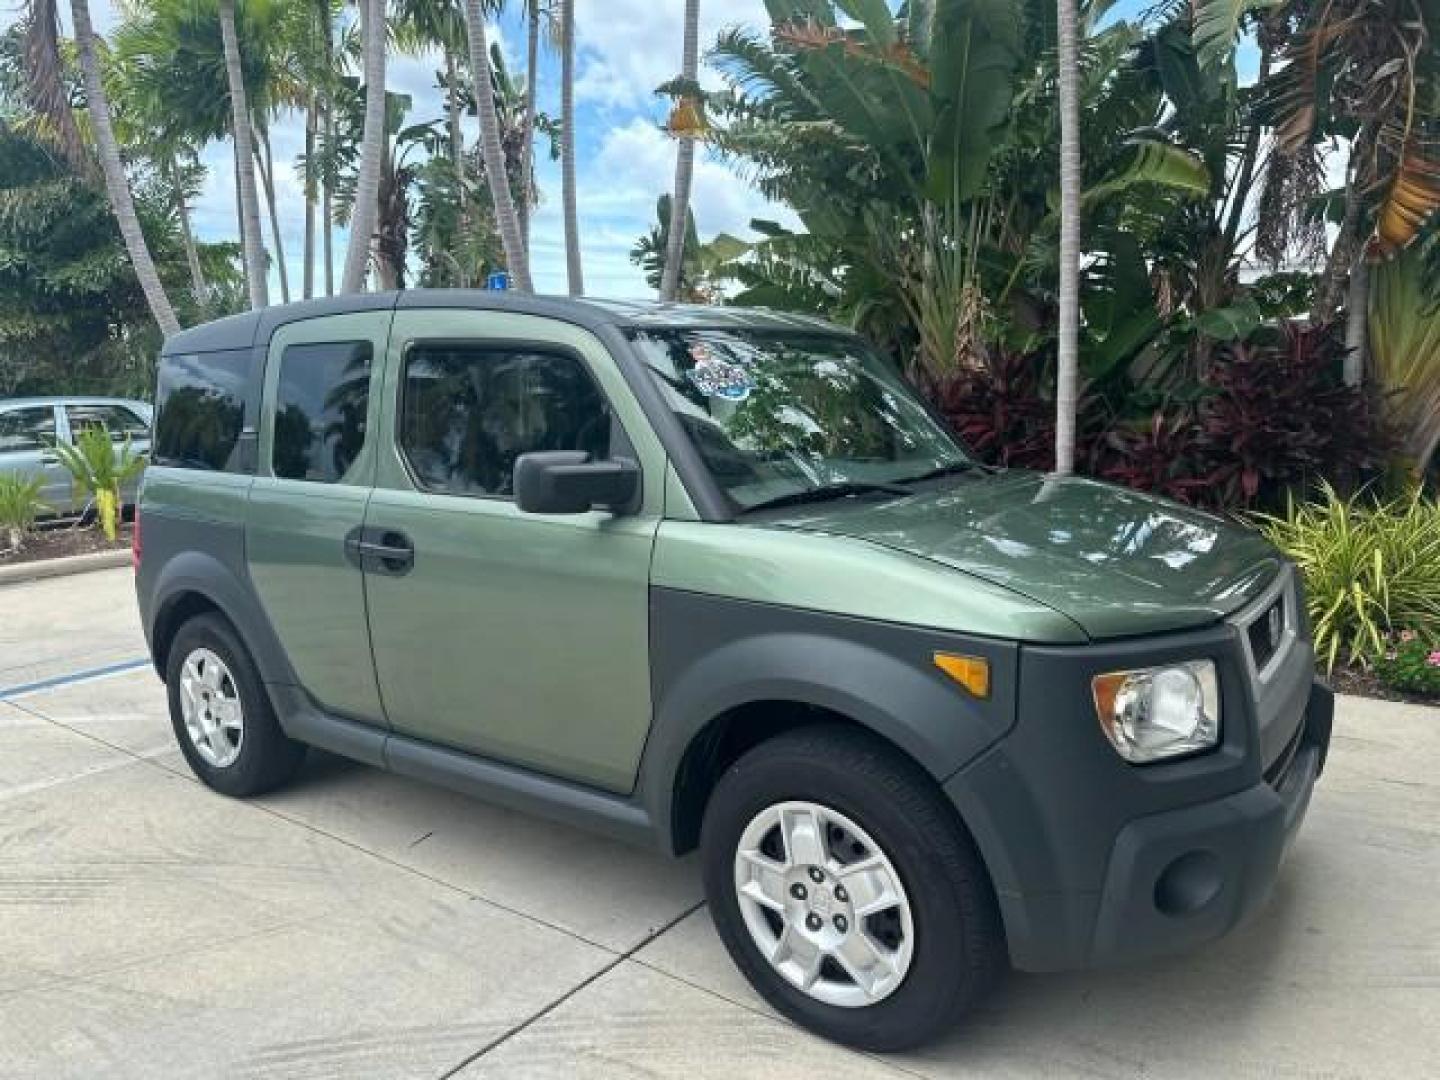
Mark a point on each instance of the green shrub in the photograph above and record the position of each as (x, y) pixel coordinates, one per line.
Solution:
(1411, 664)
(20, 505)
(98, 466)
(1371, 569)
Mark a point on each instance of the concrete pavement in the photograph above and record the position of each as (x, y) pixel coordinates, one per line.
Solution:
(360, 925)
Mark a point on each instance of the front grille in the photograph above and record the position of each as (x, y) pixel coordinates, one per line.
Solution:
(1266, 633)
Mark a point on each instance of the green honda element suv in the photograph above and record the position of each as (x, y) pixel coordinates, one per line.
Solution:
(718, 578)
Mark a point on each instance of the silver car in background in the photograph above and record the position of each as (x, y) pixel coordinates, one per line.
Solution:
(30, 428)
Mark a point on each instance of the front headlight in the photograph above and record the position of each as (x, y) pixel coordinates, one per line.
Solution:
(1162, 712)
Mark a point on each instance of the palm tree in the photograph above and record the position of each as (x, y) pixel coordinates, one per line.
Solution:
(492, 153)
(45, 85)
(573, 274)
(684, 161)
(1068, 345)
(327, 181)
(367, 184)
(251, 240)
(421, 25)
(532, 81)
(116, 184)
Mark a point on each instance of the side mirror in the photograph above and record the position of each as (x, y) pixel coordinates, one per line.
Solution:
(570, 482)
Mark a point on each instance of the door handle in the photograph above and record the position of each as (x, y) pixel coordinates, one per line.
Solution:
(387, 553)
(383, 551)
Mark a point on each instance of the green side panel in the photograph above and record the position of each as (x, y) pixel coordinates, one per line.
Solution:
(295, 536)
(215, 497)
(516, 637)
(519, 637)
(845, 576)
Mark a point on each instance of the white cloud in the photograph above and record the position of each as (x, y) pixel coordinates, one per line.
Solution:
(626, 48)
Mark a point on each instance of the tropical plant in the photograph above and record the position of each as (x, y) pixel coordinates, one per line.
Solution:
(706, 266)
(919, 153)
(20, 505)
(685, 123)
(1367, 71)
(72, 316)
(1370, 568)
(98, 466)
(1410, 664)
(1405, 353)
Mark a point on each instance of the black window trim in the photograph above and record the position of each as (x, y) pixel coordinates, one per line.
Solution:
(147, 429)
(266, 469)
(498, 344)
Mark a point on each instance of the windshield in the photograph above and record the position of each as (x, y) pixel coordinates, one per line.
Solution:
(778, 415)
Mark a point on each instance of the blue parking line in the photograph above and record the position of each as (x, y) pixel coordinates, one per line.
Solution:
(84, 675)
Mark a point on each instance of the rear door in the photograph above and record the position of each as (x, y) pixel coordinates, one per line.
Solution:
(27, 448)
(307, 504)
(519, 637)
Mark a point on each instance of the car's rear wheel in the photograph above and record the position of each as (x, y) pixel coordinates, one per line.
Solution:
(223, 719)
(847, 891)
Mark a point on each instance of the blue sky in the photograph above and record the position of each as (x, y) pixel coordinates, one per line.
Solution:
(625, 49)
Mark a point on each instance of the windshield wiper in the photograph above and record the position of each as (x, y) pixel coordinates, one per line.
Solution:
(963, 465)
(826, 492)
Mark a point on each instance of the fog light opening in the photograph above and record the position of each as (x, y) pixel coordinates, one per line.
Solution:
(1189, 883)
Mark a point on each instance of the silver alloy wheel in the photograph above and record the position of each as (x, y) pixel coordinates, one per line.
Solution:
(824, 904)
(210, 706)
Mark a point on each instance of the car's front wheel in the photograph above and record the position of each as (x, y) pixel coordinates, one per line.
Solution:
(846, 890)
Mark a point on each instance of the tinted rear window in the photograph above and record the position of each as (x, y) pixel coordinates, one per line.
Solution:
(201, 407)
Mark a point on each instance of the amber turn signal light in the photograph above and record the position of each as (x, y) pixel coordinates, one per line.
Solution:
(971, 672)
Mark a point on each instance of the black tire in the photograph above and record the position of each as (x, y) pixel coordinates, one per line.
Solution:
(267, 757)
(958, 938)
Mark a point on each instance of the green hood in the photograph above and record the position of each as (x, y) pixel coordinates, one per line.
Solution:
(1117, 562)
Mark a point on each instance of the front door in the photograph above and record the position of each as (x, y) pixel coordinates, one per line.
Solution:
(518, 637)
(27, 449)
(307, 504)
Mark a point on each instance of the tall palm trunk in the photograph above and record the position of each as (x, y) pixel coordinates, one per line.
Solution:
(573, 274)
(492, 153)
(1068, 362)
(684, 165)
(252, 240)
(457, 144)
(116, 184)
(307, 287)
(187, 236)
(265, 160)
(527, 122)
(1357, 318)
(327, 210)
(367, 184)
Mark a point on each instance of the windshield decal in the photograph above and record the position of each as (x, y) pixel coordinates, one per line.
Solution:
(717, 379)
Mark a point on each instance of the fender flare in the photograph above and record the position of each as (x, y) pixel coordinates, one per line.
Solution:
(197, 573)
(903, 702)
